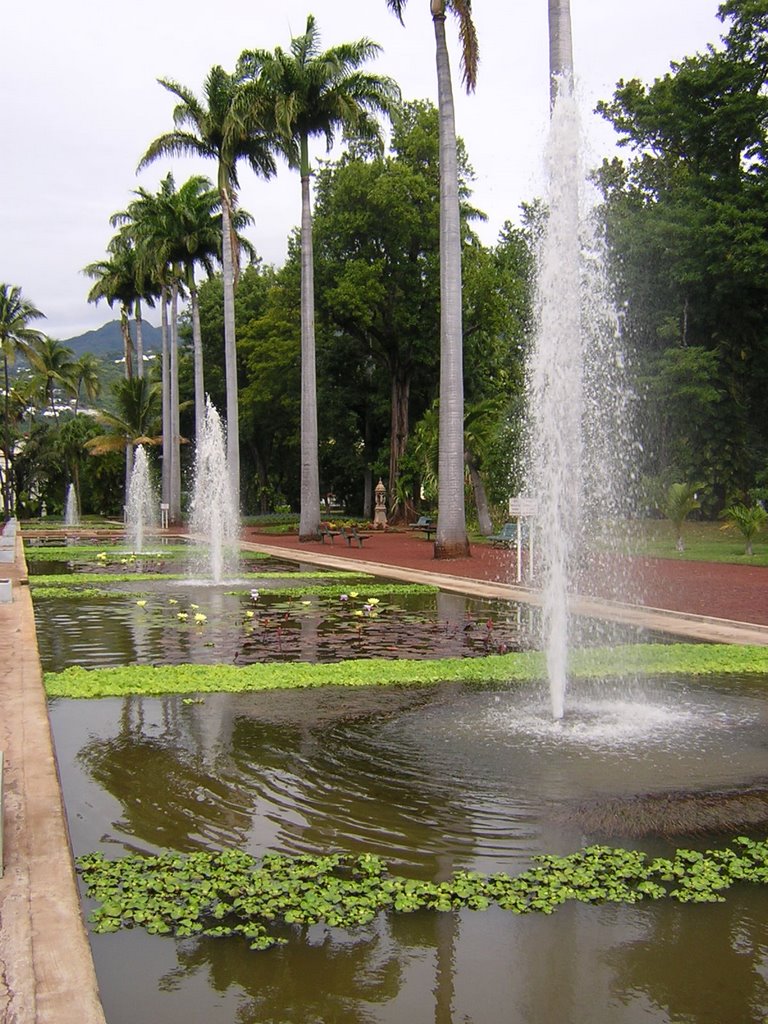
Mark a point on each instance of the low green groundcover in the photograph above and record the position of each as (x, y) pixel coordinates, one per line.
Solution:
(231, 893)
(75, 590)
(623, 661)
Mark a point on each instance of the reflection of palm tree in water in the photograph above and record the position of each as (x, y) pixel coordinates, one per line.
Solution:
(700, 963)
(170, 797)
(320, 976)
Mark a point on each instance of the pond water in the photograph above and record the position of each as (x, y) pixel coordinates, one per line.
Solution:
(236, 629)
(433, 780)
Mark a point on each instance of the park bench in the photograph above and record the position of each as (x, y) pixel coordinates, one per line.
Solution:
(425, 525)
(352, 534)
(326, 531)
(506, 537)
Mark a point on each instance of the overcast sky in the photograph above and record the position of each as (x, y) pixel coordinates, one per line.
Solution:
(79, 103)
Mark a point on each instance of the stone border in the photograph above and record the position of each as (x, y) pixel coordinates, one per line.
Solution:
(46, 969)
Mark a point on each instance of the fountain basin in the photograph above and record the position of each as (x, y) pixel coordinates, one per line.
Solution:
(432, 780)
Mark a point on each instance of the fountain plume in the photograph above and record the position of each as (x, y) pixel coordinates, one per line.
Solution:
(141, 506)
(72, 508)
(579, 404)
(214, 518)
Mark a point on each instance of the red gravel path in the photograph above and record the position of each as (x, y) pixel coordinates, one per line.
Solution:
(724, 591)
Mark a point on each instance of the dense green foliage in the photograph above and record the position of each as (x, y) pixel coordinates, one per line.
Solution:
(687, 215)
(622, 661)
(230, 893)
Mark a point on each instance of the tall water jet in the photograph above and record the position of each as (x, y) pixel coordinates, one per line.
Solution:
(141, 506)
(214, 518)
(72, 508)
(578, 416)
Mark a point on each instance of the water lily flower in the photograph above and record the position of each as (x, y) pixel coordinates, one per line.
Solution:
(194, 606)
(373, 601)
(199, 617)
(182, 616)
(367, 607)
(123, 561)
(358, 611)
(343, 597)
(249, 614)
(141, 603)
(102, 556)
(172, 600)
(353, 593)
(306, 602)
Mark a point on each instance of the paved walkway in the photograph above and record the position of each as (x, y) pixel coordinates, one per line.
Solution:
(485, 574)
(46, 970)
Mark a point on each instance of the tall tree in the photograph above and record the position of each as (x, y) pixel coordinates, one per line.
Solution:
(16, 314)
(53, 363)
(116, 282)
(316, 93)
(86, 378)
(224, 128)
(377, 252)
(451, 536)
(687, 216)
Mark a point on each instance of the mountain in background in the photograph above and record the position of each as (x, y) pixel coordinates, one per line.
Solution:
(107, 342)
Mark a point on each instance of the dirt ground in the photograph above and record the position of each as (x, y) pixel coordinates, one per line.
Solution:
(735, 592)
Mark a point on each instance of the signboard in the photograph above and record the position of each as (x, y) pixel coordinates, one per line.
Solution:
(523, 506)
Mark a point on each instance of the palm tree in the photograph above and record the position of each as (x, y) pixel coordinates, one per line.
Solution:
(116, 281)
(451, 536)
(136, 421)
(16, 335)
(677, 504)
(223, 128)
(54, 366)
(311, 93)
(86, 378)
(749, 520)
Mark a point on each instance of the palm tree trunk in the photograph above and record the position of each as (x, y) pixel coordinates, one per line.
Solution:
(400, 399)
(166, 399)
(197, 352)
(128, 472)
(8, 467)
(481, 498)
(560, 47)
(125, 329)
(230, 347)
(451, 535)
(174, 512)
(139, 340)
(309, 521)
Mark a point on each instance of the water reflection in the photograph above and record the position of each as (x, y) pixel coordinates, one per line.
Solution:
(433, 779)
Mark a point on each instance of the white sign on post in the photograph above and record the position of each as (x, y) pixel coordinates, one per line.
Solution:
(520, 508)
(523, 507)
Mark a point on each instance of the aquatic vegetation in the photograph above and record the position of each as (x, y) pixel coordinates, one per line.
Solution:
(492, 669)
(228, 893)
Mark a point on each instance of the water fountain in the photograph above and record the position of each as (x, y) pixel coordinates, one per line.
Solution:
(579, 421)
(72, 508)
(140, 512)
(214, 518)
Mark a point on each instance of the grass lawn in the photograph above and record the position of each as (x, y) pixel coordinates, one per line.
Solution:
(704, 542)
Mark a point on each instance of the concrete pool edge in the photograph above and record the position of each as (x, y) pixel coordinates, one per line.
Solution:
(46, 969)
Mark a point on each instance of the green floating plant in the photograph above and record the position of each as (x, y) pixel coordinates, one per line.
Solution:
(231, 893)
(617, 662)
